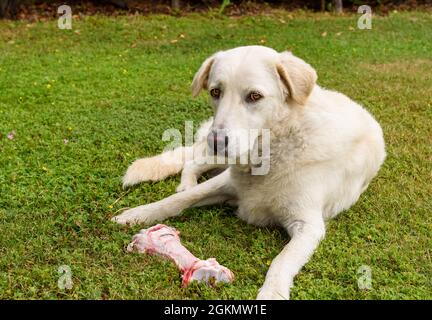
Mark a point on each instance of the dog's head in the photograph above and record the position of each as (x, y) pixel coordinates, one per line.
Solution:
(249, 87)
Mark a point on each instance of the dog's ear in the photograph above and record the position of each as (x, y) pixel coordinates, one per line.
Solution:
(297, 76)
(199, 81)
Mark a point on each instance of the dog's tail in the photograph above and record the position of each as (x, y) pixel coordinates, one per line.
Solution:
(155, 168)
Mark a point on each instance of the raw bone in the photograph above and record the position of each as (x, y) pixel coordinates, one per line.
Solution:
(165, 241)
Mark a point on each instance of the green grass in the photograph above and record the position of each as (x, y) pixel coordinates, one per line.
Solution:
(111, 86)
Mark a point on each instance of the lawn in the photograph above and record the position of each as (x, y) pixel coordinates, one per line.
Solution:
(82, 104)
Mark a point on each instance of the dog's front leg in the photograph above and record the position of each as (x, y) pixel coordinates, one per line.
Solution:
(305, 237)
(214, 190)
(191, 173)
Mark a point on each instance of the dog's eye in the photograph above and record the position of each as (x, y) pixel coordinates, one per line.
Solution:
(215, 93)
(254, 96)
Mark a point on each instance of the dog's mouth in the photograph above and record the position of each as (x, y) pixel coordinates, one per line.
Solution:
(218, 146)
(244, 152)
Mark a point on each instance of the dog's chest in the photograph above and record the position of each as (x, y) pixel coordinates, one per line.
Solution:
(265, 199)
(259, 196)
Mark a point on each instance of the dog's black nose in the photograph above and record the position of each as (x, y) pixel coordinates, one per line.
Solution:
(217, 140)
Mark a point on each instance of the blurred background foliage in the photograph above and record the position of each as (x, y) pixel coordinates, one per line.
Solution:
(34, 9)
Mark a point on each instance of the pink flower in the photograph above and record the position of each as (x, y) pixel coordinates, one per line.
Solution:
(11, 135)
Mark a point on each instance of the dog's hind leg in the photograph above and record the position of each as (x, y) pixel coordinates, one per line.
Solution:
(214, 190)
(191, 173)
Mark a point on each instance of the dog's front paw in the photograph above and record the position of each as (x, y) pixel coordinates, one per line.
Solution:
(272, 293)
(147, 214)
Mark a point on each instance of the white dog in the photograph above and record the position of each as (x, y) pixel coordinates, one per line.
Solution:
(324, 151)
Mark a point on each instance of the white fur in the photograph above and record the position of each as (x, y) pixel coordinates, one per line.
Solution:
(325, 149)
